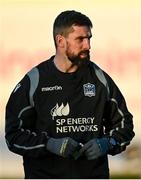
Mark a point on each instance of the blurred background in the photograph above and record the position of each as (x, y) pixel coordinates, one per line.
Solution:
(26, 40)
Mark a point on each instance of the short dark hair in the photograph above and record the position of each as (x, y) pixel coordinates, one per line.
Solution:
(66, 19)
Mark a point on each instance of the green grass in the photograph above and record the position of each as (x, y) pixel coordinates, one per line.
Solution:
(125, 176)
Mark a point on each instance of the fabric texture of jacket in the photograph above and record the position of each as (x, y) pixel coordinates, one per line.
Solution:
(83, 105)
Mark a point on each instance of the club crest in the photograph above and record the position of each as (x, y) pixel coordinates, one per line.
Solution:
(89, 89)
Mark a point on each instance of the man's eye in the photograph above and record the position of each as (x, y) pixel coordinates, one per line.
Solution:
(80, 39)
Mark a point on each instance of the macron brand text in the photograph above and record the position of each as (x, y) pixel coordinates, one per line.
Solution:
(52, 88)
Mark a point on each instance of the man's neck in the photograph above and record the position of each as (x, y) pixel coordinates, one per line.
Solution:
(64, 65)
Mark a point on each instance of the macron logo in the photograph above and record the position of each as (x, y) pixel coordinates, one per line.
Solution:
(53, 88)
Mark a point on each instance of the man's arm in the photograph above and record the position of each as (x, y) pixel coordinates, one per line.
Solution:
(21, 136)
(118, 120)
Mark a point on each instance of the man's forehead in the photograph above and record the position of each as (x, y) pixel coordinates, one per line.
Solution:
(81, 30)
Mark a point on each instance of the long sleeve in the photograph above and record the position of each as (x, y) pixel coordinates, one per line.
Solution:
(21, 135)
(118, 120)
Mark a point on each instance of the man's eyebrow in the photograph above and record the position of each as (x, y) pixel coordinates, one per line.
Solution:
(82, 37)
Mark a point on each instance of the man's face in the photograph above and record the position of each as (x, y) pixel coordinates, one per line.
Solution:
(78, 45)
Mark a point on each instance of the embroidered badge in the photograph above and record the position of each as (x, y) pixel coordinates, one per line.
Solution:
(89, 89)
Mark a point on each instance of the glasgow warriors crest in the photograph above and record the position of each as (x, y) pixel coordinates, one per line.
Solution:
(89, 89)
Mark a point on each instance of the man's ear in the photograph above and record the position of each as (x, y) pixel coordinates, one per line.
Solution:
(60, 41)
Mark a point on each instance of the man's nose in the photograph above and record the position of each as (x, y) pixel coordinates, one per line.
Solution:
(86, 44)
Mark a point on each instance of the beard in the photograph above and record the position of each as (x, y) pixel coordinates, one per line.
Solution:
(81, 59)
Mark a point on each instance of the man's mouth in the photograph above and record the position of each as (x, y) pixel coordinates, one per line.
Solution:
(84, 54)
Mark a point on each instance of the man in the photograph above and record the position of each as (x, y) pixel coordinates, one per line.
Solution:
(66, 115)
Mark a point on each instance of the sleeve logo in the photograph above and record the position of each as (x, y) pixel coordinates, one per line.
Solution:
(17, 87)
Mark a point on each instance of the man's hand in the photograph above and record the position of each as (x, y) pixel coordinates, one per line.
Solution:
(64, 147)
(96, 148)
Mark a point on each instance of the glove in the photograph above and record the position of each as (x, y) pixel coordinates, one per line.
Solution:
(97, 147)
(64, 147)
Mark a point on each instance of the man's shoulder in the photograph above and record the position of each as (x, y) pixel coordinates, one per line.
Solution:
(44, 63)
(95, 66)
(42, 66)
(98, 69)
(102, 76)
